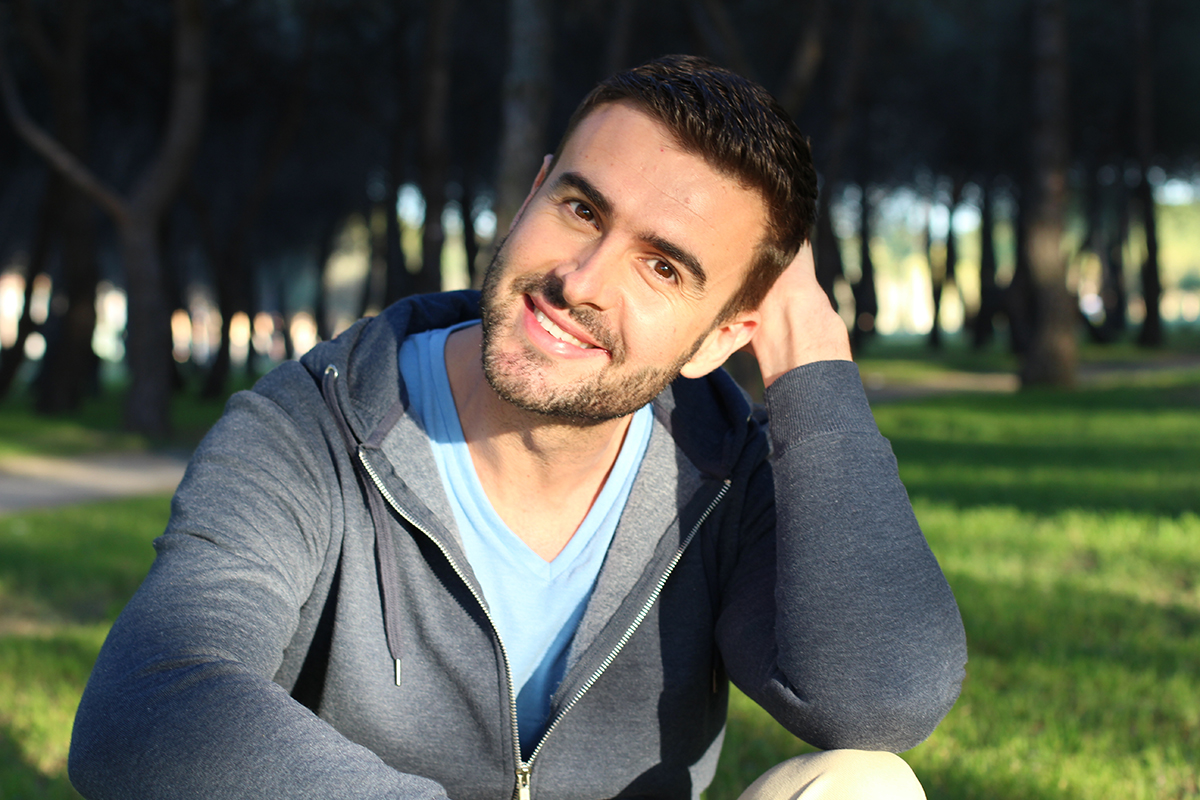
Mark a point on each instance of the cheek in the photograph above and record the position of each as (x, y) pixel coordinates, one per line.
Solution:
(654, 336)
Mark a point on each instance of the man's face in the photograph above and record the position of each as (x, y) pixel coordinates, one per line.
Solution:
(611, 280)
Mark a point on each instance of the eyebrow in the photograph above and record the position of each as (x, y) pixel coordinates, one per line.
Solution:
(573, 180)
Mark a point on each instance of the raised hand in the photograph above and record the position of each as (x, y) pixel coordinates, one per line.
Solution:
(797, 324)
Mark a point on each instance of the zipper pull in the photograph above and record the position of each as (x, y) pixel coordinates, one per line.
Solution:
(524, 771)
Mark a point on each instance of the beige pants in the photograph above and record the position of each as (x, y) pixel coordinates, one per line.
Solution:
(838, 775)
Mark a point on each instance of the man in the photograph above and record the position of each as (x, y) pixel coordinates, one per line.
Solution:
(524, 557)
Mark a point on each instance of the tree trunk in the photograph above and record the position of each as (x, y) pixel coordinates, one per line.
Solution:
(13, 357)
(617, 56)
(1151, 334)
(1116, 297)
(826, 246)
(806, 60)
(396, 283)
(526, 108)
(148, 352)
(827, 254)
(148, 331)
(866, 303)
(325, 245)
(937, 282)
(945, 276)
(1053, 354)
(1018, 296)
(435, 156)
(984, 328)
(715, 32)
(68, 370)
(470, 243)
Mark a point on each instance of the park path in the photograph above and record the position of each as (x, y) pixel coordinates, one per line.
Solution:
(29, 482)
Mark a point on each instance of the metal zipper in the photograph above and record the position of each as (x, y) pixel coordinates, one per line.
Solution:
(522, 787)
(524, 769)
(625, 637)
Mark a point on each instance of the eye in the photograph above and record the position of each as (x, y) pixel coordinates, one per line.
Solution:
(663, 269)
(582, 210)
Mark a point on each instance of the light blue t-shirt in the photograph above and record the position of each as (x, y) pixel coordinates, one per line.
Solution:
(535, 604)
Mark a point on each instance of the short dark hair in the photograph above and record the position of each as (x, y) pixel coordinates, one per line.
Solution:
(740, 130)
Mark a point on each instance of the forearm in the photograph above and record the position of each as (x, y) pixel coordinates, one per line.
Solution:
(868, 644)
(181, 702)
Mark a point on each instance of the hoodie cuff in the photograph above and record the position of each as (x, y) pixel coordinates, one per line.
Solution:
(819, 398)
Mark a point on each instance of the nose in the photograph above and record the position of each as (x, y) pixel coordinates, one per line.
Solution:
(593, 277)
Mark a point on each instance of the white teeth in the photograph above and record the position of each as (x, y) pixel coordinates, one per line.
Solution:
(557, 332)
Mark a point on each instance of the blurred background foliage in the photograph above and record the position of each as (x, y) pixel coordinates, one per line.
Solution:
(192, 187)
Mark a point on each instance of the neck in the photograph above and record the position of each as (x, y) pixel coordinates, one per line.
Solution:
(520, 455)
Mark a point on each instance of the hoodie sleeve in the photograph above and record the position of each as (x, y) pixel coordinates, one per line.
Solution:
(841, 623)
(181, 702)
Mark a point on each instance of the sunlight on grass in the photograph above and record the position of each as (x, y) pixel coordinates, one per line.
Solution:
(1067, 525)
(1066, 522)
(64, 576)
(1084, 673)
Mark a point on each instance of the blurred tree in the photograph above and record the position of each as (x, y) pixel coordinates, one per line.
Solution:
(14, 356)
(1052, 355)
(138, 216)
(983, 326)
(69, 367)
(866, 303)
(846, 94)
(526, 107)
(1151, 333)
(434, 135)
(806, 59)
(231, 272)
(944, 272)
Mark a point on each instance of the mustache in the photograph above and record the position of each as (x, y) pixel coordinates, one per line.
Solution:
(550, 288)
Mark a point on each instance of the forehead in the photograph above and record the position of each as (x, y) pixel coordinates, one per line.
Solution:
(659, 189)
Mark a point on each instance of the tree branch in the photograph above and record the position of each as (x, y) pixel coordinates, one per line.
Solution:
(810, 52)
(161, 179)
(36, 39)
(49, 148)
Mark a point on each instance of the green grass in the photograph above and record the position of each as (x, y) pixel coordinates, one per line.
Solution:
(96, 426)
(1067, 526)
(1066, 523)
(64, 577)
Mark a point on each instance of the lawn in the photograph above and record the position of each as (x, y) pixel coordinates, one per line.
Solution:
(1066, 523)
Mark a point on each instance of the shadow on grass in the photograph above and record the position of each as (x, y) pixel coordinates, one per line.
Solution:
(80, 563)
(1051, 477)
(1044, 451)
(1061, 625)
(20, 780)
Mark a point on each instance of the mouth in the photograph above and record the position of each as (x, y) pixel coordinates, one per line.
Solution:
(581, 340)
(558, 333)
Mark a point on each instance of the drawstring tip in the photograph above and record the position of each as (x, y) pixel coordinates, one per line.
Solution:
(397, 672)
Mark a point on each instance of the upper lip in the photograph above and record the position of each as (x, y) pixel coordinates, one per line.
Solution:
(564, 322)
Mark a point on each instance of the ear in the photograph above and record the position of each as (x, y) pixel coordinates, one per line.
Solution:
(537, 184)
(720, 343)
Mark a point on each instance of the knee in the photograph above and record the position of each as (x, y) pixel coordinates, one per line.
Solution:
(838, 775)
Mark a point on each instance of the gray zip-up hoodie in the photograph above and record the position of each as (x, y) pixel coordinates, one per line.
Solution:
(311, 628)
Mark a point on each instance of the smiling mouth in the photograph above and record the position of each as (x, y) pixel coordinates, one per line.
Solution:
(559, 333)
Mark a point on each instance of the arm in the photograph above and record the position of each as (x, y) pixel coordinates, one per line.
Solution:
(867, 648)
(181, 702)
